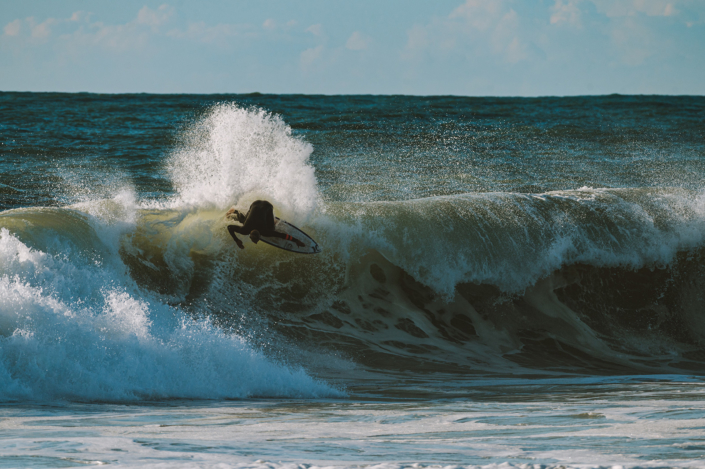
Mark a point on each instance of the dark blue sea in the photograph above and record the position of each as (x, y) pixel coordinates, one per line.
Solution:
(503, 282)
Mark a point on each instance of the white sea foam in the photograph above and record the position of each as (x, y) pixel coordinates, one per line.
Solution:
(77, 331)
(648, 421)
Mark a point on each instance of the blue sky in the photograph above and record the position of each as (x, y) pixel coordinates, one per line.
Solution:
(472, 47)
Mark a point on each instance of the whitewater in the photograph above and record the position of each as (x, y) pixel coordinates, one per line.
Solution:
(502, 282)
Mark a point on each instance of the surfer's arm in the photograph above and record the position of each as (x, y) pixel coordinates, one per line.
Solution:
(232, 229)
(235, 215)
(277, 234)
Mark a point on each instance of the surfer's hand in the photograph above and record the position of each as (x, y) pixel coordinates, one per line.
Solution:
(299, 243)
(230, 212)
(239, 244)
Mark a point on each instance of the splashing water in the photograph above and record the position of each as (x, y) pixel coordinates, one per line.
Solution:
(234, 155)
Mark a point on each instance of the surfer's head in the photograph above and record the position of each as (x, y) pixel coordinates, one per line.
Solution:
(254, 236)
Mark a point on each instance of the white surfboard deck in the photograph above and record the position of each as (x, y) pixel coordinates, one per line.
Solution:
(309, 247)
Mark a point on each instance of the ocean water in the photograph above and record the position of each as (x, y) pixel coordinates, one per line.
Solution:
(503, 282)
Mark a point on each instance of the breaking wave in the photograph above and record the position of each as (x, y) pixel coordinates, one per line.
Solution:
(74, 325)
(117, 299)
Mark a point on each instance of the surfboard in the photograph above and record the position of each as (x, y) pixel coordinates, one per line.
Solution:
(309, 247)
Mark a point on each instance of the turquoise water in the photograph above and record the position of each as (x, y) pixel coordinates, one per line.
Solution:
(503, 281)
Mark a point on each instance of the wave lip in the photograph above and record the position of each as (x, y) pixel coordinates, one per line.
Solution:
(513, 240)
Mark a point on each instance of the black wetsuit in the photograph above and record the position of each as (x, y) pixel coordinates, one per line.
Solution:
(259, 217)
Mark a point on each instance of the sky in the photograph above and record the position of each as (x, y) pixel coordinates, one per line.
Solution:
(431, 47)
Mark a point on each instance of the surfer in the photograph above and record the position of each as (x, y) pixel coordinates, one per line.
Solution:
(258, 222)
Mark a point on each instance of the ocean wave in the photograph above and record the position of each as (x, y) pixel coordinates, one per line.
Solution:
(587, 279)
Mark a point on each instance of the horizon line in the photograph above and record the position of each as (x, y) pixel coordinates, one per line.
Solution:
(259, 93)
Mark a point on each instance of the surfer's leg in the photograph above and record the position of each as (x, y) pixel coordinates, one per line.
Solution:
(232, 230)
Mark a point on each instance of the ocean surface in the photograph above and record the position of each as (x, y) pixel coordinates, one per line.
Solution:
(503, 282)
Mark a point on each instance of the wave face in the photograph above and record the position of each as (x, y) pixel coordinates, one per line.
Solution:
(131, 288)
(588, 279)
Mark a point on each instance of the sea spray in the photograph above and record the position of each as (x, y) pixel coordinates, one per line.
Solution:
(234, 153)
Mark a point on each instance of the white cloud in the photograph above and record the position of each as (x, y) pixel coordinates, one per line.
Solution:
(309, 56)
(475, 28)
(417, 38)
(567, 12)
(315, 29)
(78, 31)
(133, 35)
(505, 39)
(494, 30)
(473, 46)
(13, 28)
(516, 51)
(117, 38)
(41, 30)
(269, 24)
(220, 34)
(79, 16)
(358, 41)
(155, 18)
(480, 14)
(635, 39)
(616, 8)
